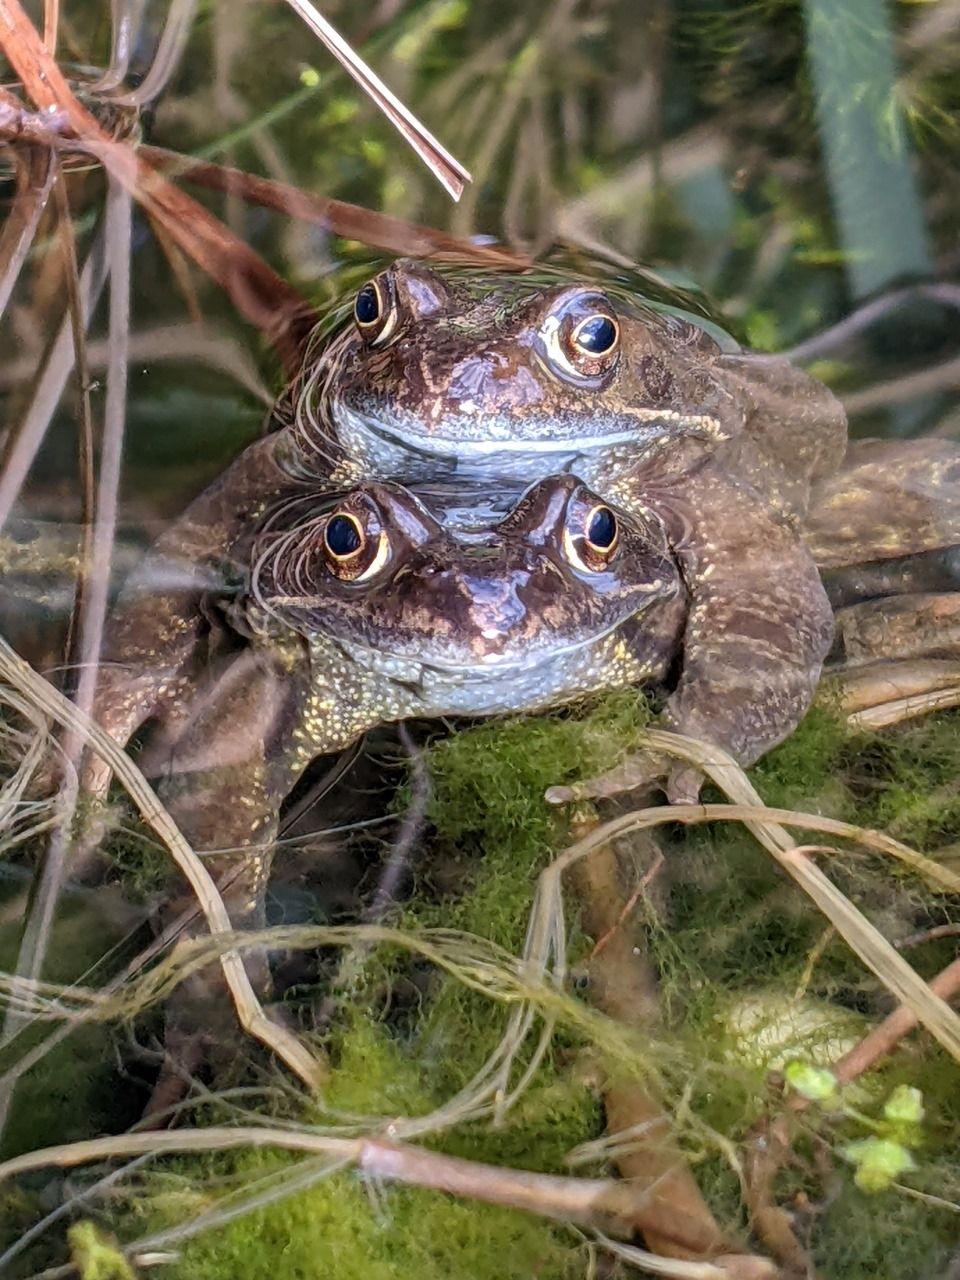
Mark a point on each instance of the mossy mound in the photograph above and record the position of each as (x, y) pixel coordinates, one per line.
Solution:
(740, 954)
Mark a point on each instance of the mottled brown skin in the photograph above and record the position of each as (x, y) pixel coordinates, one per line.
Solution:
(524, 616)
(476, 383)
(888, 521)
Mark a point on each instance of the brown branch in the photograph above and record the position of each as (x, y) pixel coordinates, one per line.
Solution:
(254, 288)
(597, 1204)
(883, 1038)
(379, 230)
(591, 1202)
(667, 1206)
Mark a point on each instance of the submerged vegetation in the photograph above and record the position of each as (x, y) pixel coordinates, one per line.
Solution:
(758, 152)
(749, 982)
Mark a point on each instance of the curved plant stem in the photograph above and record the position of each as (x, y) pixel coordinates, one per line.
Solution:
(249, 1011)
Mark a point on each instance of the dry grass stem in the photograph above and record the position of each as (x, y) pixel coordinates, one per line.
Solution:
(251, 1015)
(448, 171)
(920, 704)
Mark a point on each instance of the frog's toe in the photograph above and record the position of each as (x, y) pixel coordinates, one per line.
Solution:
(641, 770)
(683, 784)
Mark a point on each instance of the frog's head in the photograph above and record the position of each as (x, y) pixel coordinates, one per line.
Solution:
(502, 376)
(378, 570)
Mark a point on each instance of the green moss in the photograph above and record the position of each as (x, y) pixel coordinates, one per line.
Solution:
(731, 933)
(95, 1256)
(344, 1229)
(488, 809)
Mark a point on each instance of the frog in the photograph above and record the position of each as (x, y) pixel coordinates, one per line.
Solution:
(482, 384)
(884, 531)
(367, 607)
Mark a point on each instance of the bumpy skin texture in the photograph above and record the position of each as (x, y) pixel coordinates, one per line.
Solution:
(524, 616)
(889, 521)
(480, 382)
(476, 385)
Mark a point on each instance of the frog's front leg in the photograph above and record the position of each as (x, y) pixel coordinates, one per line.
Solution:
(157, 622)
(246, 735)
(757, 632)
(760, 623)
(243, 740)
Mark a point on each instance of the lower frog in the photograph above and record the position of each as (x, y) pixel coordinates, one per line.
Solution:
(371, 610)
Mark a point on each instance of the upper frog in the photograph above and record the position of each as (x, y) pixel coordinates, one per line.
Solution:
(475, 386)
(503, 380)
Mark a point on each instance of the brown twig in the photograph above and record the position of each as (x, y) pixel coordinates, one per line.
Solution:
(883, 1038)
(928, 935)
(592, 1202)
(379, 230)
(597, 1204)
(667, 1206)
(254, 288)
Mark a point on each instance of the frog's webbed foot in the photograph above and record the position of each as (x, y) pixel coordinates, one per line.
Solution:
(640, 771)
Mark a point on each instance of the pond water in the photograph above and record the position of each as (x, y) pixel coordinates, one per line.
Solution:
(782, 175)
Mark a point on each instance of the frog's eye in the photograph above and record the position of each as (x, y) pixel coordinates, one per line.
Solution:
(598, 335)
(375, 311)
(580, 337)
(353, 550)
(602, 531)
(591, 536)
(343, 537)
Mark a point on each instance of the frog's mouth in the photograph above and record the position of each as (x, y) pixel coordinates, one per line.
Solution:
(508, 661)
(405, 451)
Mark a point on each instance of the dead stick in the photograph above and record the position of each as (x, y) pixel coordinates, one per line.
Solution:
(667, 1205)
(254, 288)
(883, 1038)
(379, 230)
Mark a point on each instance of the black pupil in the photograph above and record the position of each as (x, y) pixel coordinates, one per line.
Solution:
(602, 531)
(597, 335)
(343, 536)
(367, 307)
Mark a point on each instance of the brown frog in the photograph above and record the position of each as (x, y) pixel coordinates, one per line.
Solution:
(371, 609)
(483, 384)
